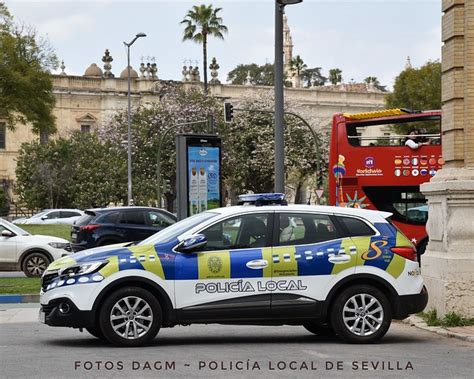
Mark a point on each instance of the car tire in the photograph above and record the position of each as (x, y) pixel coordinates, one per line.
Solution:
(35, 264)
(323, 330)
(361, 314)
(96, 332)
(130, 317)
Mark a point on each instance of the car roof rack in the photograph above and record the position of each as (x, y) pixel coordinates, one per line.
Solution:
(260, 199)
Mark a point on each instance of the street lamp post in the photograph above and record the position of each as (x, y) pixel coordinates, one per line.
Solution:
(129, 116)
(279, 101)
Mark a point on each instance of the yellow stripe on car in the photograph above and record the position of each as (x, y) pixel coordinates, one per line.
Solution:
(148, 258)
(284, 262)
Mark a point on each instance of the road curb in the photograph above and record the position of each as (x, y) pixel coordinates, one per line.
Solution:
(420, 323)
(9, 299)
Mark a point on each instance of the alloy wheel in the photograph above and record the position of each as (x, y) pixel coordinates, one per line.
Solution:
(131, 317)
(363, 314)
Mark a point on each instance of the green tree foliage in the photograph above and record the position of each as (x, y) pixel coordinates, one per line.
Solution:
(417, 89)
(78, 172)
(260, 75)
(312, 77)
(335, 76)
(25, 81)
(201, 22)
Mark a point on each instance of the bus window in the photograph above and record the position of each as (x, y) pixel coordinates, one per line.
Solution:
(407, 204)
(393, 132)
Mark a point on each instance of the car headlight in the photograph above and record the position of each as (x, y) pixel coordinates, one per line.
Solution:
(59, 245)
(82, 269)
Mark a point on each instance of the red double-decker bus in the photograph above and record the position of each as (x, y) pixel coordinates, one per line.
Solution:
(372, 167)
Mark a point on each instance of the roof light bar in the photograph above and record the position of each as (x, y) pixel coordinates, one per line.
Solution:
(259, 199)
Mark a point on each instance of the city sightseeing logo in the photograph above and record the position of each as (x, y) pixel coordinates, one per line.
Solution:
(369, 162)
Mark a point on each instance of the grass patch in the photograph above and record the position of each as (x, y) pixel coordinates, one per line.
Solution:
(61, 231)
(451, 319)
(20, 285)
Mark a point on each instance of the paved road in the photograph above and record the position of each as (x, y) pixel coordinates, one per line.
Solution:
(33, 350)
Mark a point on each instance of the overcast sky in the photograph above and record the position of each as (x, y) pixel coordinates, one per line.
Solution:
(361, 38)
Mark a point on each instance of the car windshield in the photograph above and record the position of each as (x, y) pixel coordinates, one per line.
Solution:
(15, 229)
(173, 231)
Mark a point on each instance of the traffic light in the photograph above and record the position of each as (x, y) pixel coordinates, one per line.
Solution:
(228, 112)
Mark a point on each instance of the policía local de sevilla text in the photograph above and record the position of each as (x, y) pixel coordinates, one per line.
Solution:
(243, 365)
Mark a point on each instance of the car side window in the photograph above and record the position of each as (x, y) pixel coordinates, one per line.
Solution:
(132, 217)
(158, 219)
(66, 214)
(109, 218)
(247, 231)
(53, 215)
(356, 227)
(305, 229)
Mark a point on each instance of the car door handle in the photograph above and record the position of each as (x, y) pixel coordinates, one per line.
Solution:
(341, 258)
(257, 264)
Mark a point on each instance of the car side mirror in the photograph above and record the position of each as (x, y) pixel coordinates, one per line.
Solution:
(7, 233)
(192, 243)
(44, 218)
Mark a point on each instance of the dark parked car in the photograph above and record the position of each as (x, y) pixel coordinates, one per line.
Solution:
(106, 226)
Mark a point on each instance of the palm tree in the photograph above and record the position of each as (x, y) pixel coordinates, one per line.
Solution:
(335, 76)
(297, 65)
(200, 22)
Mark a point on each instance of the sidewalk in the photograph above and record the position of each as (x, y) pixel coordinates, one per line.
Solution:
(465, 333)
(19, 313)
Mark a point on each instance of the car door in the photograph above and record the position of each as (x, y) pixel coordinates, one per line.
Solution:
(310, 254)
(8, 247)
(227, 279)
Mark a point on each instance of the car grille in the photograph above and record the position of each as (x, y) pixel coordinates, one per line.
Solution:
(48, 278)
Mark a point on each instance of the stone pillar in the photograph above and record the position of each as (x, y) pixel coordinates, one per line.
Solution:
(448, 264)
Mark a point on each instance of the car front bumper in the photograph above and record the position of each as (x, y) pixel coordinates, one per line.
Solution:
(63, 312)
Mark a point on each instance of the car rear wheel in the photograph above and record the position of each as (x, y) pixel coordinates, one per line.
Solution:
(130, 317)
(361, 314)
(35, 264)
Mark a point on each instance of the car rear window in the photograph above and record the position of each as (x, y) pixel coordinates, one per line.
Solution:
(85, 219)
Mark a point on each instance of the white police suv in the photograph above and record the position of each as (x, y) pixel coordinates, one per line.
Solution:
(340, 270)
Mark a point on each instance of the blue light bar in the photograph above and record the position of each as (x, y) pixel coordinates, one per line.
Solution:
(259, 199)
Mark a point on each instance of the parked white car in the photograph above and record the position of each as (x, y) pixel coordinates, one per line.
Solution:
(19, 250)
(51, 216)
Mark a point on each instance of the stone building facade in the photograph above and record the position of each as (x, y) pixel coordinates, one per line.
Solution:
(448, 264)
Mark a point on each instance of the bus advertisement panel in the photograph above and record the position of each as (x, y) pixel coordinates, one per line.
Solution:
(378, 161)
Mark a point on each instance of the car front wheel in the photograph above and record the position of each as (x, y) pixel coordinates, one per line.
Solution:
(130, 317)
(361, 314)
(35, 264)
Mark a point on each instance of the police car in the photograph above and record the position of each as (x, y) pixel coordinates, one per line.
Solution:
(331, 269)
